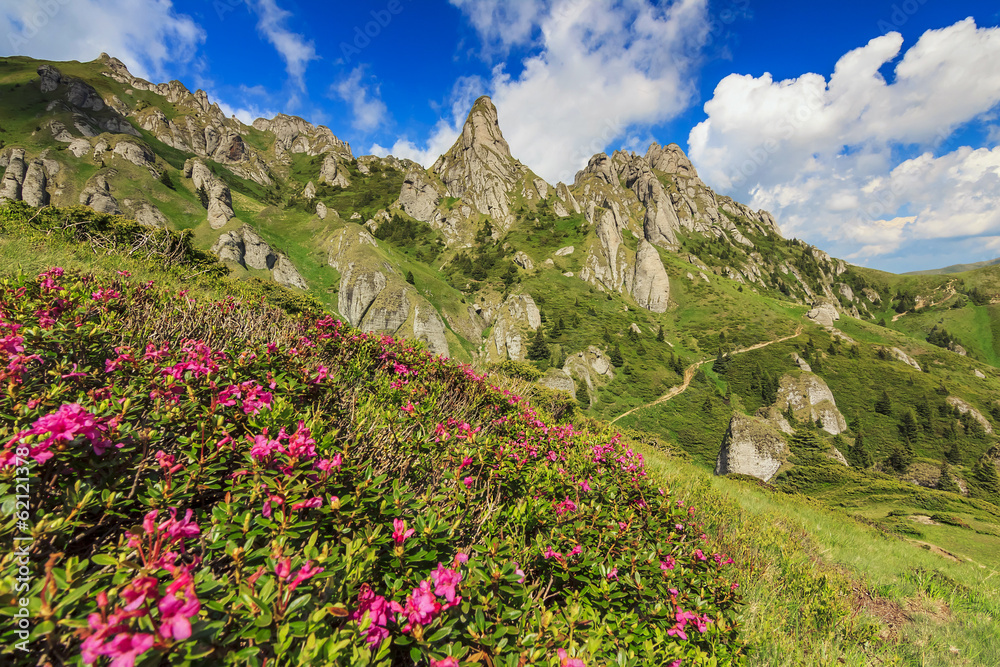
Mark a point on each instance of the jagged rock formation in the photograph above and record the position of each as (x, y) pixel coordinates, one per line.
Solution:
(964, 408)
(295, 135)
(479, 167)
(824, 314)
(220, 200)
(810, 399)
(751, 446)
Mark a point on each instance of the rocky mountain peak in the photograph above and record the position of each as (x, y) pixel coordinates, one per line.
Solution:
(479, 167)
(670, 159)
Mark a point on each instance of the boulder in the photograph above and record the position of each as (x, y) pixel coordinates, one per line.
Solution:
(321, 211)
(138, 155)
(521, 259)
(517, 315)
(824, 314)
(751, 446)
(220, 201)
(150, 216)
(563, 252)
(97, 195)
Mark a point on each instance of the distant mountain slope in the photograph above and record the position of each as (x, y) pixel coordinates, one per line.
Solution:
(954, 268)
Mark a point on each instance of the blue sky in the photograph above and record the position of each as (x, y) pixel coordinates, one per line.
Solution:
(870, 129)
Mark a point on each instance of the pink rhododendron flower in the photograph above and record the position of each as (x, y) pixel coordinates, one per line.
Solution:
(312, 503)
(566, 661)
(613, 574)
(450, 661)
(125, 648)
(445, 581)
(421, 606)
(549, 553)
(468, 482)
(306, 572)
(400, 532)
(668, 564)
(69, 422)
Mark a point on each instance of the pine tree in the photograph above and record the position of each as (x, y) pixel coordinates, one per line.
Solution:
(859, 452)
(539, 350)
(616, 357)
(203, 196)
(166, 180)
(908, 427)
(946, 482)
(883, 405)
(659, 335)
(954, 453)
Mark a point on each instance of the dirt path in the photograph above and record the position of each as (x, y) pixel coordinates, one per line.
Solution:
(693, 368)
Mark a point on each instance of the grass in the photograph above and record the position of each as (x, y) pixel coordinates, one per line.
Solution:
(824, 589)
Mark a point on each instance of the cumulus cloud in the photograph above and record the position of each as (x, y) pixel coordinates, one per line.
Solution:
(597, 69)
(150, 36)
(365, 101)
(851, 159)
(294, 48)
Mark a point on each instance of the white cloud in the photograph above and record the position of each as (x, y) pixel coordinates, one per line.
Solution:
(503, 22)
(366, 102)
(150, 36)
(598, 69)
(294, 48)
(829, 157)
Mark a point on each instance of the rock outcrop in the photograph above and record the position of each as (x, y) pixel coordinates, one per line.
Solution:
(899, 355)
(333, 173)
(295, 135)
(516, 317)
(751, 446)
(810, 399)
(824, 314)
(964, 408)
(429, 328)
(650, 284)
(245, 247)
(13, 178)
(559, 380)
(220, 200)
(592, 366)
(97, 195)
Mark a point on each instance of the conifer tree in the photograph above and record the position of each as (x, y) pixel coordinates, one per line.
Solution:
(616, 356)
(946, 482)
(954, 453)
(203, 196)
(659, 335)
(539, 350)
(883, 405)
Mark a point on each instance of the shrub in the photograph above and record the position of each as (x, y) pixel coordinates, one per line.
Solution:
(322, 496)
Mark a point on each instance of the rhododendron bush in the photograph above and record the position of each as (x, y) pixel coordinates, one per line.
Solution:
(321, 496)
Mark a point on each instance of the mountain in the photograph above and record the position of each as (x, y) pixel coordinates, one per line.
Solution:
(954, 268)
(634, 297)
